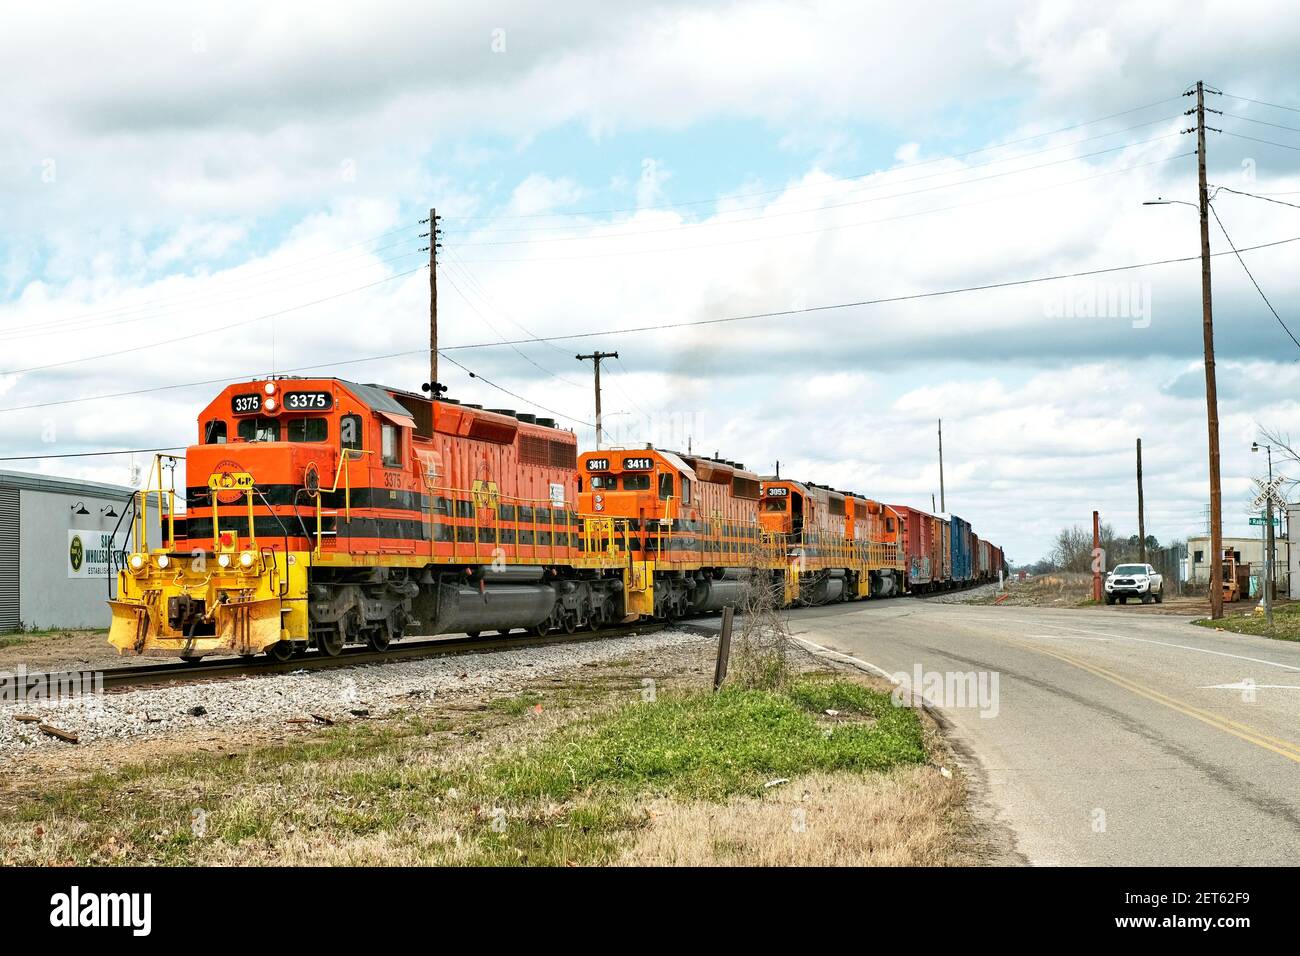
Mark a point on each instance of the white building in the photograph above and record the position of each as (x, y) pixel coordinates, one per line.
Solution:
(57, 549)
(1248, 551)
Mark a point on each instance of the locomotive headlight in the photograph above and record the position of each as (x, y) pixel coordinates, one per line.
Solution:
(137, 562)
(163, 561)
(270, 388)
(269, 404)
(223, 560)
(247, 558)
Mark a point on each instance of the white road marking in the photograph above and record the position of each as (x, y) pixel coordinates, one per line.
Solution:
(1185, 647)
(1250, 685)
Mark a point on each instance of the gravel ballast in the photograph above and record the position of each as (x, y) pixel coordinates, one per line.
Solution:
(373, 690)
(983, 592)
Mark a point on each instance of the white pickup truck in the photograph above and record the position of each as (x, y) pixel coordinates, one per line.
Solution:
(1134, 580)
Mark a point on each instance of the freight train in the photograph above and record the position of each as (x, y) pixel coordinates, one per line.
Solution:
(321, 512)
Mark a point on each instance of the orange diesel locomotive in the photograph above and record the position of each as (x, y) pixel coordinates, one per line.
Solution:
(688, 523)
(321, 511)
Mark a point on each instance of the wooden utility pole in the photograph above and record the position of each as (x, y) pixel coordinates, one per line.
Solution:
(1142, 525)
(943, 505)
(1211, 389)
(595, 358)
(433, 298)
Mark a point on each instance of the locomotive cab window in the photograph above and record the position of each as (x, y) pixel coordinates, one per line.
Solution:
(604, 481)
(214, 432)
(634, 482)
(259, 429)
(686, 490)
(665, 486)
(774, 504)
(307, 429)
(391, 445)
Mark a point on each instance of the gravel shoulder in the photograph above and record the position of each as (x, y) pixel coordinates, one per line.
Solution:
(311, 697)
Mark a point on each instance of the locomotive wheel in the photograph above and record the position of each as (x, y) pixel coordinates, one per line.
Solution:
(540, 630)
(472, 635)
(379, 638)
(330, 643)
(190, 661)
(570, 623)
(280, 651)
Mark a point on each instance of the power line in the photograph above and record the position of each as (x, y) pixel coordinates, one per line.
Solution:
(518, 351)
(890, 299)
(1252, 278)
(1276, 106)
(665, 326)
(1256, 139)
(154, 313)
(239, 283)
(223, 328)
(768, 192)
(1247, 119)
(767, 217)
(516, 395)
(835, 228)
(94, 454)
(1263, 196)
(859, 186)
(488, 300)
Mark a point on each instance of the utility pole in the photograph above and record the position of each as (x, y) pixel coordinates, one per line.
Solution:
(434, 233)
(595, 359)
(1142, 525)
(943, 505)
(1211, 389)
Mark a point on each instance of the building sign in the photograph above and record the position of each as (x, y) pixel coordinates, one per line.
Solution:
(88, 553)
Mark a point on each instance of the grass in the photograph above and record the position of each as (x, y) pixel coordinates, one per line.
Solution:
(559, 791)
(1286, 622)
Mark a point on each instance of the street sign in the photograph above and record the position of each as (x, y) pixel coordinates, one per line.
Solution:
(1277, 520)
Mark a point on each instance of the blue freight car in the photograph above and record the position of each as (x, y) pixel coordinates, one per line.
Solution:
(962, 569)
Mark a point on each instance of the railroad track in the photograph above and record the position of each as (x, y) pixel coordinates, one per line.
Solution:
(145, 675)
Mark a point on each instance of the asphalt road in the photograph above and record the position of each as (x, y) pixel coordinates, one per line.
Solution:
(1113, 737)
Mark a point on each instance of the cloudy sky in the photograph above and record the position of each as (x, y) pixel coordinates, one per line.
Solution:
(190, 198)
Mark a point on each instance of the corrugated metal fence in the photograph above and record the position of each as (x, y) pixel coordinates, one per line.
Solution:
(1168, 561)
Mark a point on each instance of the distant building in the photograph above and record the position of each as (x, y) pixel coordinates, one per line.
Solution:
(1248, 551)
(56, 535)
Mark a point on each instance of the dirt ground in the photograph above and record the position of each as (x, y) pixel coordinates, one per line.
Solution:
(57, 651)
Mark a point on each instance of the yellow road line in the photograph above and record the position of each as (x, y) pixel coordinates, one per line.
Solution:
(1284, 748)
